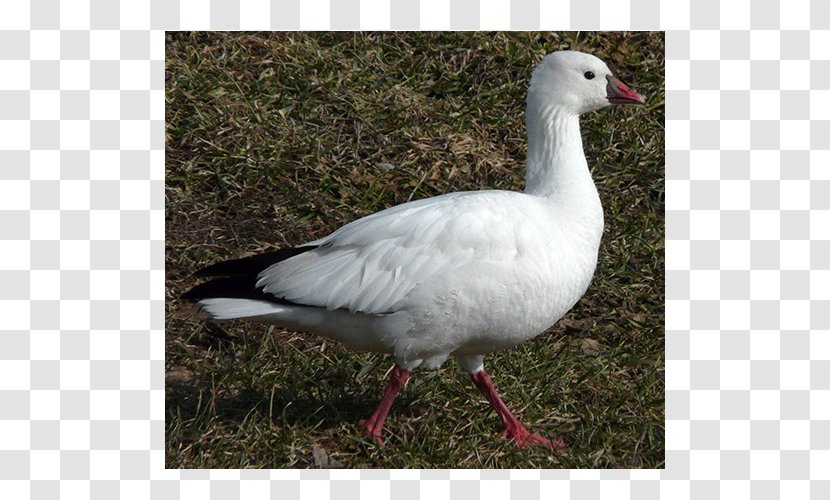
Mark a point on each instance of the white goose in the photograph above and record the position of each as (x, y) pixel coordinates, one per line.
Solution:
(462, 274)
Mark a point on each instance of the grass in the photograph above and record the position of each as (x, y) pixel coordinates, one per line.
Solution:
(276, 139)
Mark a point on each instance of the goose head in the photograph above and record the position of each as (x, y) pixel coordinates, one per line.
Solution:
(576, 83)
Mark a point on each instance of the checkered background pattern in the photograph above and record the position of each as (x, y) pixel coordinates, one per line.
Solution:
(747, 248)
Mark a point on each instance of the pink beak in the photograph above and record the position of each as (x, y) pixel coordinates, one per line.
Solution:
(619, 93)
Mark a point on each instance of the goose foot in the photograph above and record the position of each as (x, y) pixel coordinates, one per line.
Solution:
(525, 438)
(373, 426)
(512, 427)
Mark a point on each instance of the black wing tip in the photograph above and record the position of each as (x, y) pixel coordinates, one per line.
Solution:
(194, 294)
(251, 265)
(226, 287)
(231, 287)
(237, 278)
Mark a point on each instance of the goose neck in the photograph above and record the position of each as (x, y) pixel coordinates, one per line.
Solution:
(556, 165)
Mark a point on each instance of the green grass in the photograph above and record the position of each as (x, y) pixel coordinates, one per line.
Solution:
(276, 139)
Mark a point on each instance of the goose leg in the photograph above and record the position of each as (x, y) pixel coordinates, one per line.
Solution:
(512, 427)
(374, 424)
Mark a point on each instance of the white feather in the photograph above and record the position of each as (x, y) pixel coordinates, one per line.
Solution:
(225, 309)
(369, 265)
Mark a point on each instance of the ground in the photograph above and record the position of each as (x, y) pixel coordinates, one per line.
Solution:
(274, 139)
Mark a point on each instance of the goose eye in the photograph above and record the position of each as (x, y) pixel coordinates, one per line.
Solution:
(589, 75)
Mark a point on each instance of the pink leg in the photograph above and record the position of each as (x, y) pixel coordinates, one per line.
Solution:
(374, 424)
(512, 427)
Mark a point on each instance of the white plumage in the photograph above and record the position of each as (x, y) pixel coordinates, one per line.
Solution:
(461, 274)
